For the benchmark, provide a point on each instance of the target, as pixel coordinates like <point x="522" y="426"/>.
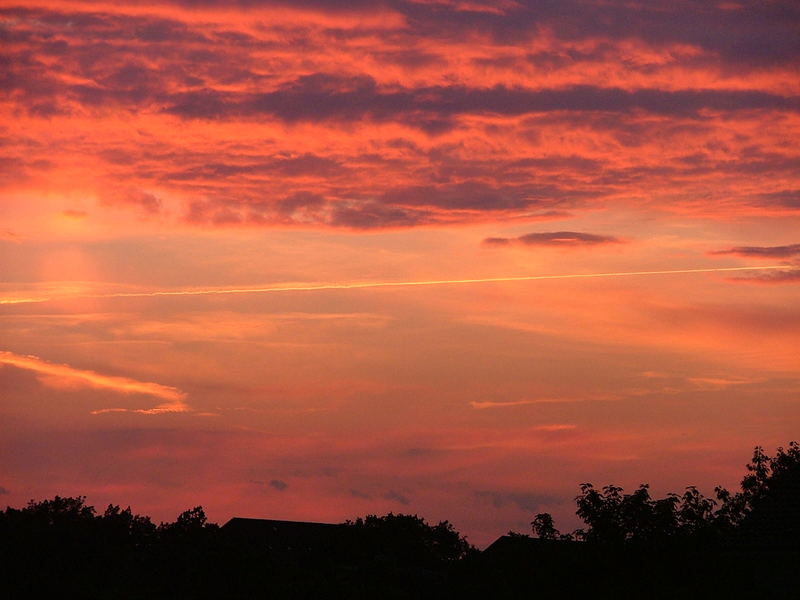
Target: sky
<point x="198" y="198"/>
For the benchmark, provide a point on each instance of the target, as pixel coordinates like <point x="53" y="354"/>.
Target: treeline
<point x="615" y="518"/>
<point x="735" y="543"/>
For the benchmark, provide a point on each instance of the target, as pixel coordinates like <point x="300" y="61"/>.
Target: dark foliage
<point x="734" y="544"/>
<point x="409" y="539"/>
<point x="690" y="542"/>
<point x="615" y="518"/>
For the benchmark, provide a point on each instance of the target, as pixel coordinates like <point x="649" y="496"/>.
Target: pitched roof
<point x="523" y="547"/>
<point x="285" y="535"/>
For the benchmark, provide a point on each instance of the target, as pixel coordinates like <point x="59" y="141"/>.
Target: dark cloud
<point x="306" y="165"/>
<point x="278" y="484"/>
<point x="748" y="34"/>
<point x="4" y="491"/>
<point x="328" y="6"/>
<point x="396" y="497"/>
<point x="753" y="34"/>
<point x="467" y="195"/>
<point x="555" y="163"/>
<point x="410" y="57"/>
<point x="375" y="215"/>
<point x="763" y="251"/>
<point x="529" y="502"/>
<point x="784" y="199"/>
<point x="497" y="241"/>
<point x="565" y="238"/>
<point x="424" y="452"/>
<point x="85" y="62"/>
<point x="93" y="26"/>
<point x="555" y="238"/>
<point x="360" y="494"/>
<point x="300" y="207"/>
<point x="129" y="76"/>
<point x="118" y="156"/>
<point x="790" y="275"/>
<point x="322" y="97"/>
<point x="300" y="201"/>
<point x="146" y="202"/>
<point x="14" y="168"/>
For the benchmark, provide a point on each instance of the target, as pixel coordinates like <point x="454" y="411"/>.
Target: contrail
<point x="374" y="284"/>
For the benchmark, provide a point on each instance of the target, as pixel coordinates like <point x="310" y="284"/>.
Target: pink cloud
<point x="59" y="376"/>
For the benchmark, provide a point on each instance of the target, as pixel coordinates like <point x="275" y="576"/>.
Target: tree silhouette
<point x="615" y="518"/>
<point x="190" y="523"/>
<point x="410" y="538"/>
<point x="544" y="528"/>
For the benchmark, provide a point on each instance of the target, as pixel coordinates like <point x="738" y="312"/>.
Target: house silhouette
<point x="286" y="536"/>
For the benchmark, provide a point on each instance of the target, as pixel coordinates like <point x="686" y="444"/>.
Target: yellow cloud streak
<point x="483" y="405"/>
<point x="122" y="385"/>
<point x="375" y="284"/>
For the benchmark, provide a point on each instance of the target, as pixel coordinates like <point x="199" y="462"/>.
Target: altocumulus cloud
<point x="429" y="88"/>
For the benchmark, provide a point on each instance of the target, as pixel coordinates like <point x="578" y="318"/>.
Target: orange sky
<point x="207" y="146"/>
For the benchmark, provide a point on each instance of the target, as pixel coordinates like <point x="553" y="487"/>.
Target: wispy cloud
<point x="790" y="272"/>
<point x="483" y="405"/>
<point x="526" y="501"/>
<point x="762" y="251"/>
<point x="562" y="239"/>
<point x="278" y="484"/>
<point x="397" y="497"/>
<point x="59" y="375"/>
<point x="556" y="427"/>
<point x="787" y="276"/>
<point x="723" y="382"/>
<point x="167" y="407"/>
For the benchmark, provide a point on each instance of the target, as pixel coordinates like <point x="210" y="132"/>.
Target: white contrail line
<point x="376" y="284"/>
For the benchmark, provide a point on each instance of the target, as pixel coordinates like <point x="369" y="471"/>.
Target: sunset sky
<point x="157" y="156"/>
